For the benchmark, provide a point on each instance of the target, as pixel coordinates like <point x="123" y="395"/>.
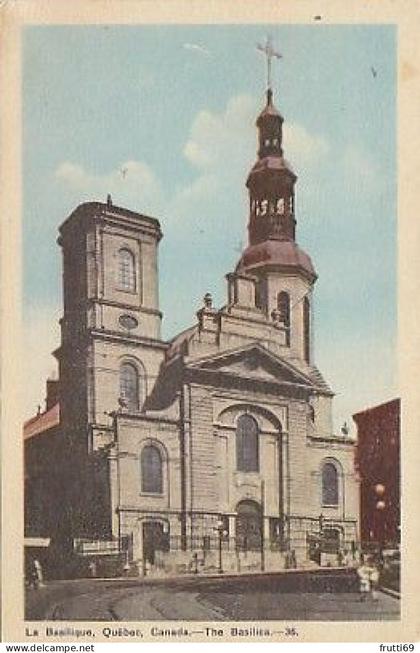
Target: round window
<point x="128" y="321"/>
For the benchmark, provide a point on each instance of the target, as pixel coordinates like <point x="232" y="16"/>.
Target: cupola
<point x="271" y="182"/>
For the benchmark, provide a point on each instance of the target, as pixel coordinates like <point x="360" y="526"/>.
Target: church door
<point x="154" y="539"/>
<point x="248" y="525"/>
<point x="331" y="540"/>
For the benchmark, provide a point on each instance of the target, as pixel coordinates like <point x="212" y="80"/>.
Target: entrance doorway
<point x="331" y="538"/>
<point x="154" y="539"/>
<point x="248" y="525"/>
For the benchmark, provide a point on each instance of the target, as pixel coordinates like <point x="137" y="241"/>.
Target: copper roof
<point x="271" y="163"/>
<point x="269" y="109"/>
<point x="42" y="422"/>
<point x="281" y="253"/>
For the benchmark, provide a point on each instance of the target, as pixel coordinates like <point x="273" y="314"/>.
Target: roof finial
<point x="269" y="52"/>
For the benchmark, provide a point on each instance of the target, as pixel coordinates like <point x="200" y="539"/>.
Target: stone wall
<point x="201" y="461"/>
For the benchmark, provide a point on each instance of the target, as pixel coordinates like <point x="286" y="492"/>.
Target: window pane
<point x="126" y="270"/>
<point x="247" y="444"/>
<point x="151" y="470"/>
<point x="329" y="485"/>
<point x="283" y="305"/>
<point x="129" y="386"/>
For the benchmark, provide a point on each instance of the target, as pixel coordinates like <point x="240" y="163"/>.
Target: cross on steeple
<point x="269" y="52"/>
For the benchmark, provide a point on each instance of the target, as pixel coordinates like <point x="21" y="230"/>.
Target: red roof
<point x="269" y="109"/>
<point x="42" y="422"/>
<point x="270" y="163"/>
<point x="282" y="253"/>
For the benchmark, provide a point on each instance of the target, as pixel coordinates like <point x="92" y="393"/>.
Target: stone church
<point x="215" y="449"/>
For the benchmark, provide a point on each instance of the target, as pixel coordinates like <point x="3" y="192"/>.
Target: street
<point x="200" y="599"/>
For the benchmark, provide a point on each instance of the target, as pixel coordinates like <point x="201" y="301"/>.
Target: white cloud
<point x="217" y="139"/>
<point x="302" y="147"/>
<point x="132" y="183"/>
<point x="203" y="186"/>
<point x="222" y="146"/>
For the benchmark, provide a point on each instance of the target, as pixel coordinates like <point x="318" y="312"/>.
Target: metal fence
<point x="84" y="546"/>
<point x="214" y="543"/>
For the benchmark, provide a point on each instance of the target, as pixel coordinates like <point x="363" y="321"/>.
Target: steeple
<point x="270" y="123"/>
<point x="282" y="273"/>
<point x="271" y="182"/>
<point x="272" y="246"/>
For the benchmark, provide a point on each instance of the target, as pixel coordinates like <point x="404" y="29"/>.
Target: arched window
<point x="280" y="206"/>
<point x="329" y="484"/>
<point x="126" y="270"/>
<point x="307" y="329"/>
<point x="283" y="305"/>
<point x="247" y="444"/>
<point x="260" y="294"/>
<point x="151" y="470"/>
<point x="291" y="204"/>
<point x="129" y="386"/>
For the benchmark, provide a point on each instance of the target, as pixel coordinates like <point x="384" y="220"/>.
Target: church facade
<point x="217" y="447"/>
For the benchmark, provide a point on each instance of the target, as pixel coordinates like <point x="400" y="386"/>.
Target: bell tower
<point x="284" y="272"/>
<point x="271" y="182"/>
<point x="111" y="347"/>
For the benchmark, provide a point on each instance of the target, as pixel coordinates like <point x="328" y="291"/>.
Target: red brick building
<point x="378" y="463"/>
<point x="42" y="447"/>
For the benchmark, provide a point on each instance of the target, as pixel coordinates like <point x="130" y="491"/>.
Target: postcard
<point x="209" y="296"/>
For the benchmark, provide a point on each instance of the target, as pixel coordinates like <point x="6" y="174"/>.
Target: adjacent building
<point x="378" y="462"/>
<point x="42" y="480"/>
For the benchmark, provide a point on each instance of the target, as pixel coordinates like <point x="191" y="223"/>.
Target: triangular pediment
<point x="254" y="363"/>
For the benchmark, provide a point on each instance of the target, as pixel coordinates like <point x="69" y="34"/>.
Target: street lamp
<point x="113" y="414"/>
<point x="321" y="547"/>
<point x="380" y="489"/>
<point x="222" y="532"/>
<point x="380" y="519"/>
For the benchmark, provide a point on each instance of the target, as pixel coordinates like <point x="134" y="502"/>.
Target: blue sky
<point x="181" y="118"/>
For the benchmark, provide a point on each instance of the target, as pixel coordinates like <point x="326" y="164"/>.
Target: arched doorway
<point x="248" y="525"/>
<point x="155" y="538"/>
<point x="331" y="539"/>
